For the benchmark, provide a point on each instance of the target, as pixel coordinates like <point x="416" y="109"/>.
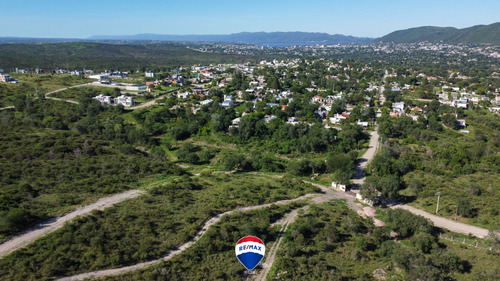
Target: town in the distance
<point x="149" y="160"/>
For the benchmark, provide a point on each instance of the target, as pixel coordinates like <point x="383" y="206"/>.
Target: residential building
<point x="398" y="107"/>
<point x="184" y="95"/>
<point x="5" y="77"/>
<point x="104" y="99"/>
<point x="228" y="104"/>
<point x="124" y="100"/>
<point x="206" y="102"/>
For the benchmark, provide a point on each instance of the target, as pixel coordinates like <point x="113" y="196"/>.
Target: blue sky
<point x="365" y="18"/>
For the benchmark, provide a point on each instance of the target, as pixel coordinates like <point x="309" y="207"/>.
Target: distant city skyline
<point x="361" y="18"/>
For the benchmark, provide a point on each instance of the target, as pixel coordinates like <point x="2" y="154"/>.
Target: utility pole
<point x="437" y="205"/>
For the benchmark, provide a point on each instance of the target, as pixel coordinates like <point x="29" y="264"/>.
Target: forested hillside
<point x="78" y="55"/>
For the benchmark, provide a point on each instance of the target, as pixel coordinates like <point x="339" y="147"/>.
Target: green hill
<point x="479" y="34"/>
<point x="105" y="56"/>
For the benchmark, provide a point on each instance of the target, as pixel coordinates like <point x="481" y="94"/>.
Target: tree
<point x="340" y="162"/>
<point x="232" y="161"/>
<point x="450" y="121"/>
<point x="187" y="154"/>
<point x="338" y="106"/>
<point x="465" y="208"/>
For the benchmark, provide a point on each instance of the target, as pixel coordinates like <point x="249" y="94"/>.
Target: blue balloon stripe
<point x="250" y="260"/>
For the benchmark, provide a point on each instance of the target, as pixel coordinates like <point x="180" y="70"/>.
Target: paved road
<point x="46" y="227"/>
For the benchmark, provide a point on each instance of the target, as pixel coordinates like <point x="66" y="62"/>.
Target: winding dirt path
<point x="44" y="228"/>
<point x="168" y="256"/>
<point x="271" y="254"/>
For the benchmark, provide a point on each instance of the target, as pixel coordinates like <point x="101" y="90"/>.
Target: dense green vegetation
<point x="331" y="242"/>
<point x="483" y="262"/>
<point x="212" y="257"/>
<point x="423" y="157"/>
<point x="145" y="228"/>
<point x="57" y="157"/>
<point x="99" y="56"/>
<point x="472" y="35"/>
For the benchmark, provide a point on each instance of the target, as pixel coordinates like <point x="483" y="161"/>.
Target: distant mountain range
<point x="256" y="38"/>
<point x="479" y="34"/>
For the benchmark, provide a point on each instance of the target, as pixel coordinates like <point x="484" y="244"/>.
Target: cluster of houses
<point x="123" y="100"/>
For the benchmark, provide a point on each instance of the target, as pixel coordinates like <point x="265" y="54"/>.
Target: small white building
<point x="364" y="200"/>
<point x="339" y="187"/>
<point x="149" y="74"/>
<point x="124" y="100"/>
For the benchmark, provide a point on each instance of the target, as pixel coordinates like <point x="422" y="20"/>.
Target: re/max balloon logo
<point x="250" y="250"/>
<point x="250" y="247"/>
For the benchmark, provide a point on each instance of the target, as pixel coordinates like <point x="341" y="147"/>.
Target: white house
<point x="135" y="87"/>
<point x="398" y="107"/>
<point x="236" y="121"/>
<point x="461" y="103"/>
<point x="228" y="102"/>
<point x="99" y="76"/>
<point x="337" y="118"/>
<point x="104" y="99"/>
<point x="293" y="120"/>
<point x="149" y="74"/>
<point x="205" y="102"/>
<point x="184" y="95"/>
<point x="362" y="124"/>
<point x="124" y="100"/>
<point x="317" y="98"/>
<point x="5" y="77"/>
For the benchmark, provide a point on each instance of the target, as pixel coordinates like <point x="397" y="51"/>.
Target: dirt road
<point x="326" y="195"/>
<point x="271" y="254"/>
<point x="46" y="227"/>
<point x="360" y="176"/>
<point x="447" y="223"/>
<point x="168" y="256"/>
